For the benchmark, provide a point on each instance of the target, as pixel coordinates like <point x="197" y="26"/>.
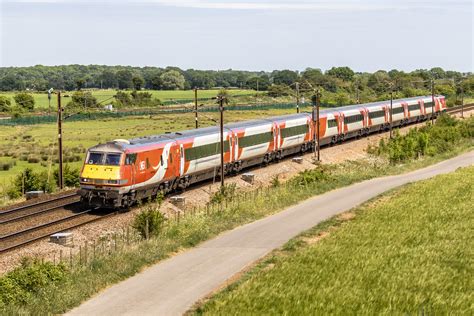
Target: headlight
<point x="85" y="180"/>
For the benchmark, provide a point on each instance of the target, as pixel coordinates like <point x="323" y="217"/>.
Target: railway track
<point x="459" y="108"/>
<point x="33" y="233"/>
<point x="25" y="224"/>
<point x="40" y="207"/>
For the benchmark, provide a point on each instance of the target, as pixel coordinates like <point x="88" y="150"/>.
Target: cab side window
<point x="130" y="159"/>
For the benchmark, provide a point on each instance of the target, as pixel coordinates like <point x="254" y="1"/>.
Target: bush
<point x="5" y="166"/>
<point x="307" y="177"/>
<point x="149" y="222"/>
<point x="70" y="176"/>
<point x="277" y="90"/>
<point x="30" y="181"/>
<point x="5" y="104"/>
<point x="33" y="159"/>
<point x="83" y="99"/>
<point x="225" y="192"/>
<point x="26" y="280"/>
<point x="123" y="98"/>
<point x="441" y="137"/>
<point x="25" y="101"/>
<point x="275" y="182"/>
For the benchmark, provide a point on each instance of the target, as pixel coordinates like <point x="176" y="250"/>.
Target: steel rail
<point x="19" y="208"/>
<point x="21" y="217"/>
<point x="42" y="226"/>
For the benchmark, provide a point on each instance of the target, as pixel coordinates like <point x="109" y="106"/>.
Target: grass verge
<point x="406" y="252"/>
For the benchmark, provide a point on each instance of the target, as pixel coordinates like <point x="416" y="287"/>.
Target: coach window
<point x="95" y="158"/>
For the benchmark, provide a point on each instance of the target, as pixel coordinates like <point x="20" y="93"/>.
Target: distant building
<point x="109" y="107"/>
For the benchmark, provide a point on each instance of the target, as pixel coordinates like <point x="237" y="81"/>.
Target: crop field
<point x="407" y="252"/>
<point x="38" y="143"/>
<point x="41" y="99"/>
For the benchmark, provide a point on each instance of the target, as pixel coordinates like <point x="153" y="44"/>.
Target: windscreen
<point x="112" y="159"/>
<point x="95" y="158"/>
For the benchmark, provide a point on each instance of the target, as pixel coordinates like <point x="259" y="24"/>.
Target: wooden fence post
<point x="146" y="229"/>
<point x="85" y="252"/>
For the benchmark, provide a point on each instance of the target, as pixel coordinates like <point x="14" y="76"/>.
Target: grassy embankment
<point x="119" y="258"/>
<point x="407" y="252"/>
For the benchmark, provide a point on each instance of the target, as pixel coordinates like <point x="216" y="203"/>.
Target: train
<point x="121" y="172"/>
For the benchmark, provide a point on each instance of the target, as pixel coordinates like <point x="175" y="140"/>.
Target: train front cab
<point x="103" y="181"/>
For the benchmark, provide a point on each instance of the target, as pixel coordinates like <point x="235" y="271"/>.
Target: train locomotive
<point x="119" y="173"/>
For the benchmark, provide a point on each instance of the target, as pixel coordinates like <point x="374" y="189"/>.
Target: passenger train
<point x="121" y="172"/>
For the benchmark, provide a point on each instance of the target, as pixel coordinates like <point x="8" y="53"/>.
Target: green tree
<point x="70" y="176"/>
<point x="285" y="77"/>
<point x="80" y="84"/>
<point x="138" y="82"/>
<point x="260" y="82"/>
<point x="277" y="90"/>
<point x="172" y="80"/>
<point x="124" y="79"/>
<point x="344" y="73"/>
<point x="123" y="98"/>
<point x="24" y="101"/>
<point x="29" y="180"/>
<point x="438" y="73"/>
<point x="108" y="79"/>
<point x="83" y="99"/>
<point x="5" y="103"/>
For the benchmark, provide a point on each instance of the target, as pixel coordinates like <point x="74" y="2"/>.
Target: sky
<point x="366" y="35"/>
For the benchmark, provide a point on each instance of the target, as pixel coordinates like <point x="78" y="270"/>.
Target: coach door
<point x="235" y="147"/>
<point x="340" y="123"/>
<point x="181" y="160"/>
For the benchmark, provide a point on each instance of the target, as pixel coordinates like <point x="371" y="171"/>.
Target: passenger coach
<point x="121" y="172"/>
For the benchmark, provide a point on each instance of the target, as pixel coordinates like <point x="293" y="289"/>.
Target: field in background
<point x="18" y="143"/>
<point x="405" y="253"/>
<point x="107" y="95"/>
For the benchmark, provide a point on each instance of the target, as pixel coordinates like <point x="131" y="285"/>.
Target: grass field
<point x="41" y="99"/>
<point x="407" y="252"/>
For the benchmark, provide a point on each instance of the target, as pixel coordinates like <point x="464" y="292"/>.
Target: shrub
<point x="310" y="176"/>
<point x="149" y="222"/>
<point x="24" y="101"/>
<point x="33" y="159"/>
<point x="5" y="166"/>
<point x="5" y="103"/>
<point x="30" y="181"/>
<point x="83" y="99"/>
<point x="277" y="90"/>
<point x="123" y="98"/>
<point x="225" y="192"/>
<point x="70" y="176"/>
<point x="275" y="182"/>
<point x="441" y="137"/>
<point x="29" y="278"/>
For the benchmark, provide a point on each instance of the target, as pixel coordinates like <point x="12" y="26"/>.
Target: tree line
<point x="339" y="85"/>
<point x="76" y="77"/>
